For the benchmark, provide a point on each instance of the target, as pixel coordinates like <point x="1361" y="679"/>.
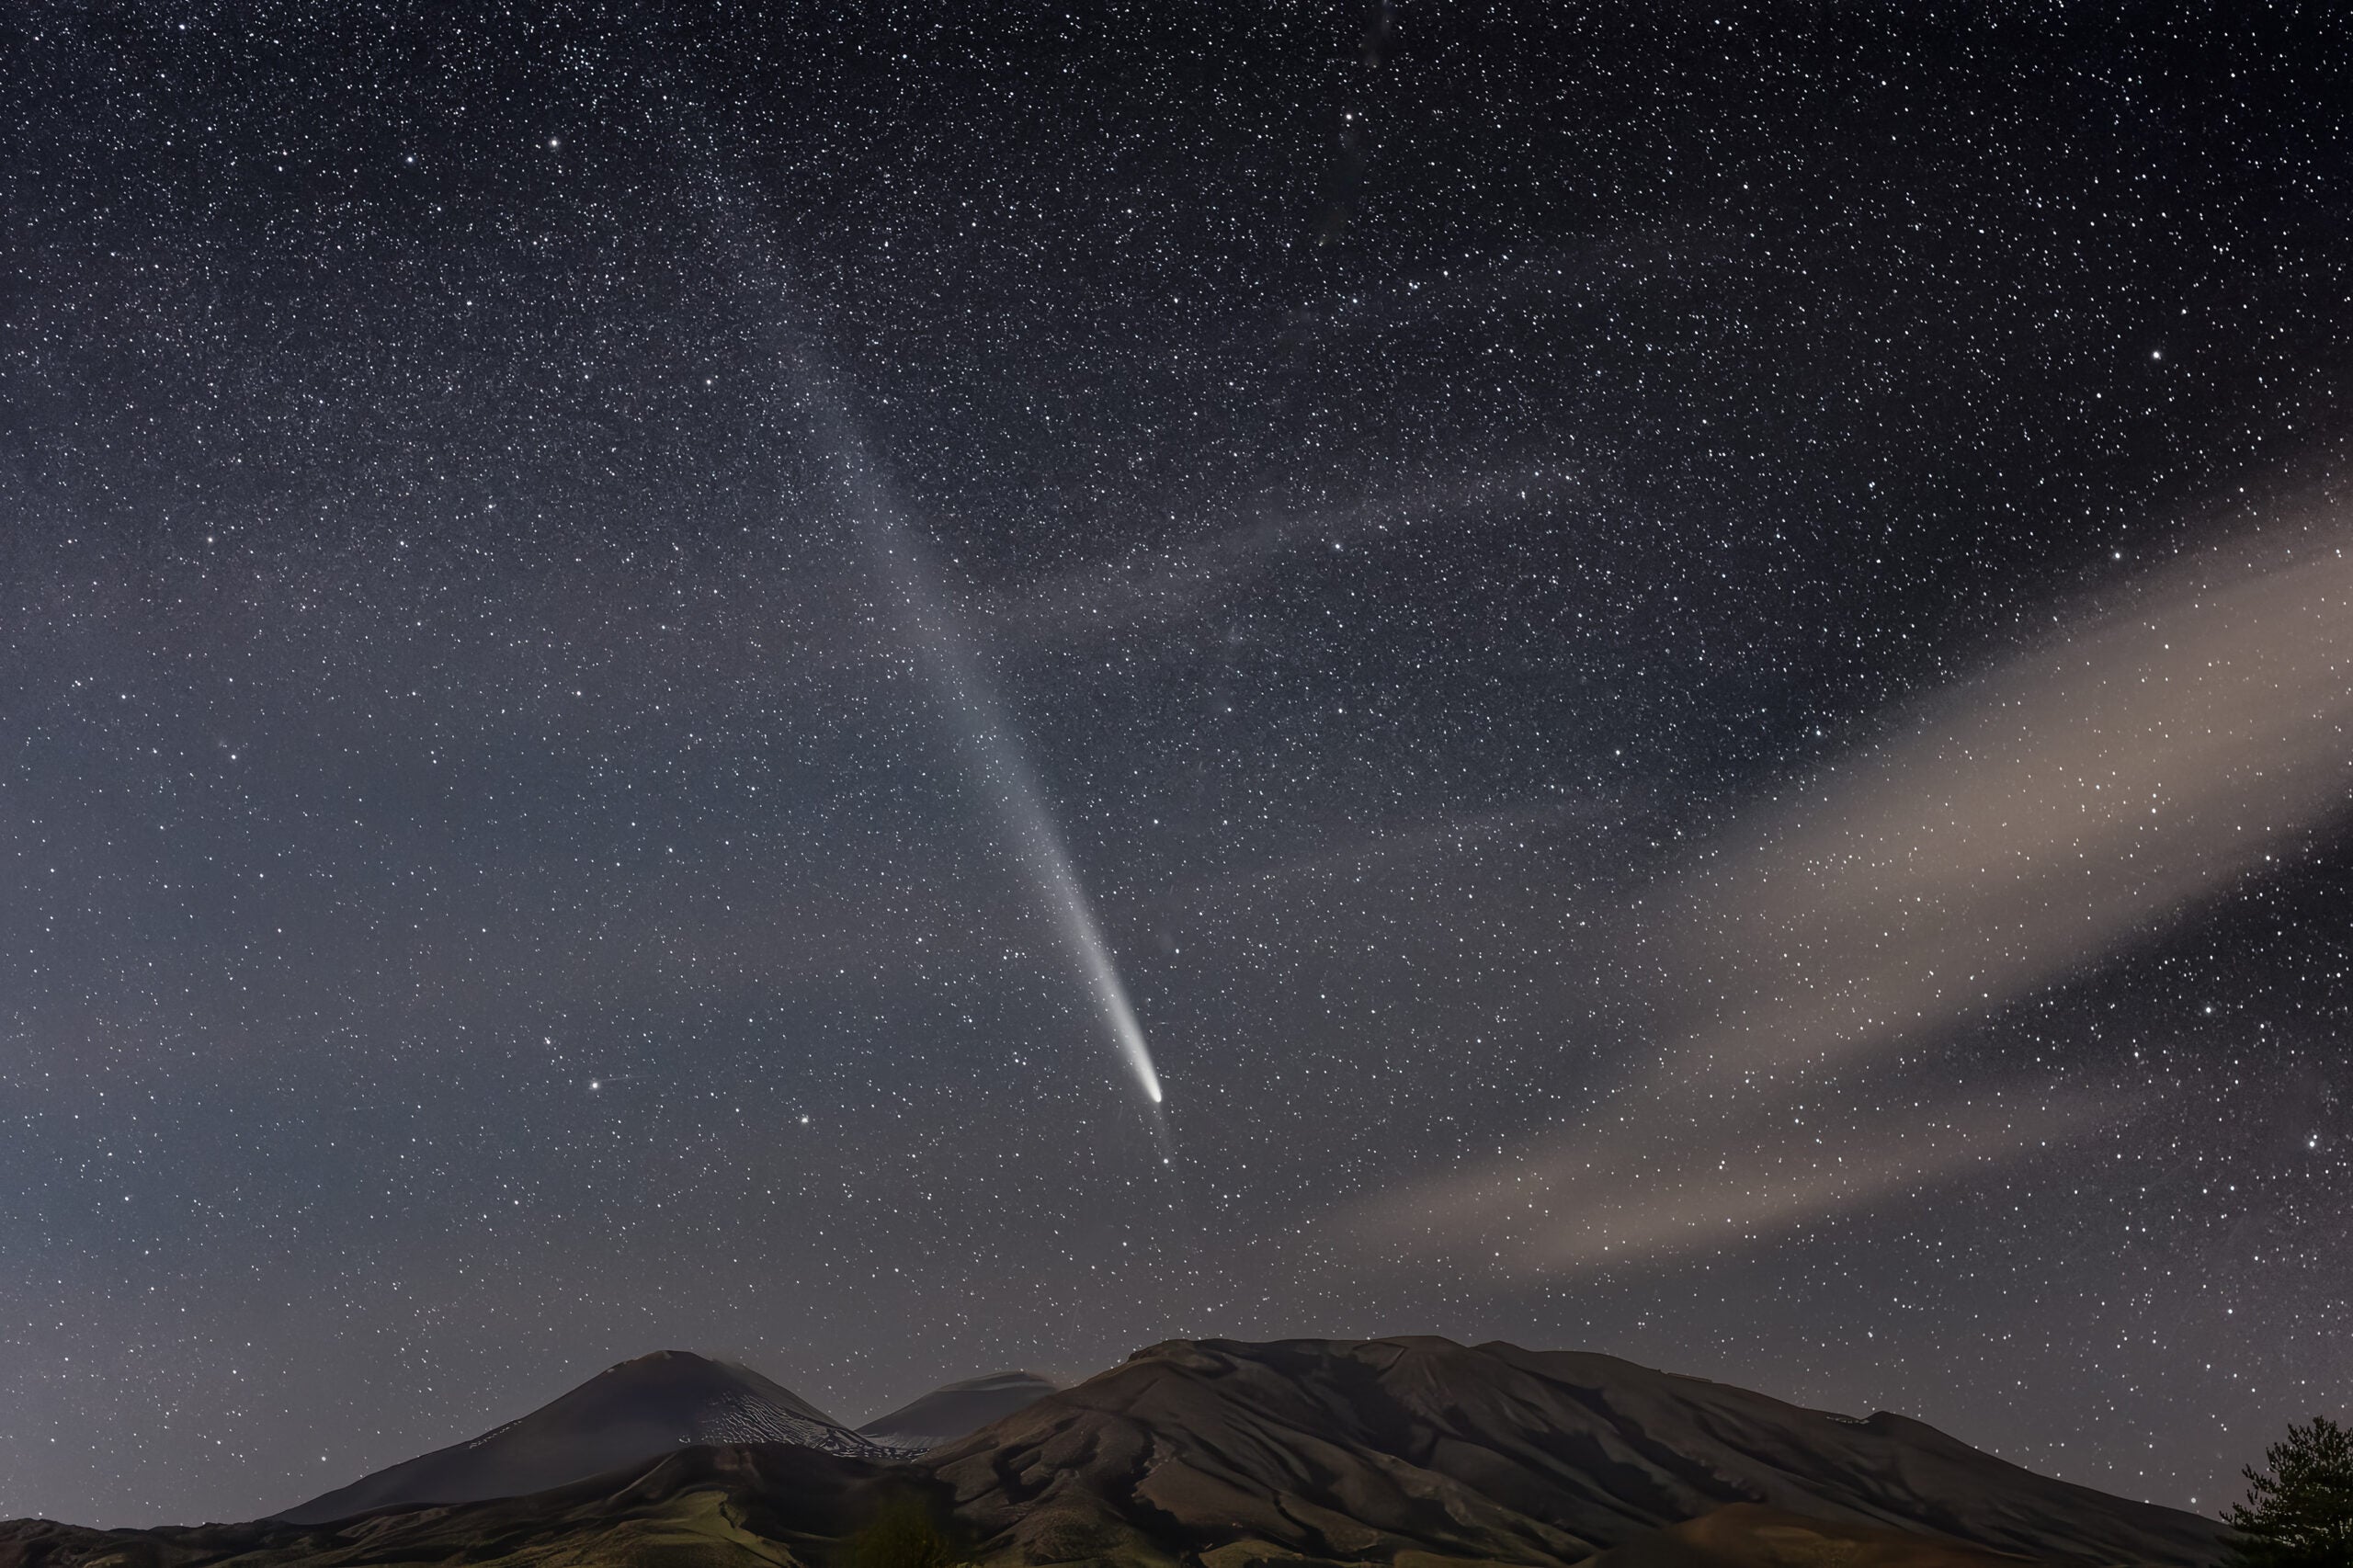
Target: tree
<point x="2299" y="1510"/>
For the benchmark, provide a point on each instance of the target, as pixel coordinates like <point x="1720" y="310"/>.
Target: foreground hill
<point x="1743" y="1535"/>
<point x="1416" y="1452"/>
<point x="773" y="1506"/>
<point x="748" y="1505"/>
<point x="621" y="1416"/>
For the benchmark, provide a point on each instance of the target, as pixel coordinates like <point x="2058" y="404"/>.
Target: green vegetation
<point x="902" y="1535"/>
<point x="2299" y="1510"/>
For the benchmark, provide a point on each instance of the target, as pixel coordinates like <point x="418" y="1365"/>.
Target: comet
<point x="946" y="654"/>
<point x="1007" y="777"/>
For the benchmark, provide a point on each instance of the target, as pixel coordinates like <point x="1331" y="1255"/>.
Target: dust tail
<point x="1001" y="769"/>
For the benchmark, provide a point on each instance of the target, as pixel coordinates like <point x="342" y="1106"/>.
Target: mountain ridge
<point x="1366" y="1450"/>
<point x="1412" y="1451"/>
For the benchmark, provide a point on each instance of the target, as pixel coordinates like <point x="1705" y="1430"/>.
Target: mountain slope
<point x="623" y="1416"/>
<point x="752" y="1505"/>
<point x="1364" y="1450"/>
<point x="1743" y="1535"/>
<point x="953" y="1409"/>
<point x="773" y="1506"/>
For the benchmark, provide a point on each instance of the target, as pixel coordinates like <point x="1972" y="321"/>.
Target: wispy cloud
<point x="2027" y="824"/>
<point x="2016" y="830"/>
<point x="1662" y="1178"/>
<point x="1163" y="587"/>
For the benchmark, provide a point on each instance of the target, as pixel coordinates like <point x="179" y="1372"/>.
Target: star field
<point x="1693" y="656"/>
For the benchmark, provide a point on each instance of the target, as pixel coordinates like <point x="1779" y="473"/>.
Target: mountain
<point x="1407" y="1452"/>
<point x="952" y="1410"/>
<point x="1376" y="1450"/>
<point x="623" y="1416"/>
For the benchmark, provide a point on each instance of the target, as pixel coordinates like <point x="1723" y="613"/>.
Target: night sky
<point x="1693" y="666"/>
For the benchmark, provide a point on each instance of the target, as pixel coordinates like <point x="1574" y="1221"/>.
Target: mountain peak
<point x="952" y="1410"/>
<point x="667" y="1400"/>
